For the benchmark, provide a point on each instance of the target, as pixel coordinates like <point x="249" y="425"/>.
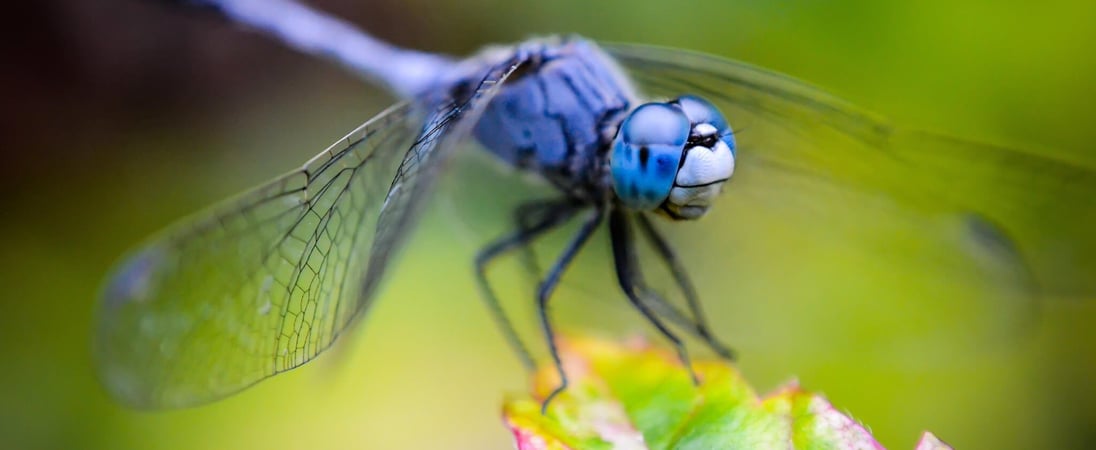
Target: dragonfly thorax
<point x="672" y="157"/>
<point x="557" y="116"/>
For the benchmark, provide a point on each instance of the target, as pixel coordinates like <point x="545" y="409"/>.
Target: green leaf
<point x="636" y="396"/>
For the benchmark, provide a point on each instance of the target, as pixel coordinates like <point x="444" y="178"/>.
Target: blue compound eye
<point x="646" y="154"/>
<point x="699" y="110"/>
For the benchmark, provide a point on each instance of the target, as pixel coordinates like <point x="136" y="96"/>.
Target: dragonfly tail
<point x="406" y="73"/>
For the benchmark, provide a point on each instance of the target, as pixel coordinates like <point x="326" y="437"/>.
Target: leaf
<point x="636" y="396"/>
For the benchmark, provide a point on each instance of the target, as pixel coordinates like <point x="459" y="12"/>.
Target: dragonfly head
<point x="672" y="157"/>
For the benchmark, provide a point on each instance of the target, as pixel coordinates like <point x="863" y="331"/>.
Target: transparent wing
<point x="265" y="282"/>
<point x="814" y="170"/>
<point x="872" y="239"/>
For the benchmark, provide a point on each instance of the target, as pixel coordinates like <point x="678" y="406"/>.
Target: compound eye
<point x="699" y="111"/>
<point x="708" y="160"/>
<point x="646" y="153"/>
<point x="704" y="115"/>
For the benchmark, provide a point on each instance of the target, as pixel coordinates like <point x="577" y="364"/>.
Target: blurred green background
<point x="122" y="115"/>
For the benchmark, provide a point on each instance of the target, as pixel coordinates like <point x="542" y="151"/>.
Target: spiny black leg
<point x="666" y="309"/>
<point x="674" y="315"/>
<point x="589" y="225"/>
<point x="525" y="216"/>
<point x="552" y="217"/>
<point x="620" y="230"/>
<point x="664" y="250"/>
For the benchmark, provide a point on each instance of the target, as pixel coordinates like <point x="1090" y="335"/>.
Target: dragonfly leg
<point x="589" y="225"/>
<point x="666" y="252"/>
<point x="674" y="315"/>
<point x="631" y="280"/>
<point x="526" y="216"/>
<point x="551" y="215"/>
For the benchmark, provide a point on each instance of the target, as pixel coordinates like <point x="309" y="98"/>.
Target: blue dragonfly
<point x="626" y="135"/>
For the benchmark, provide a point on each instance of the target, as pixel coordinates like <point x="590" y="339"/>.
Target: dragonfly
<point x="628" y="137"/>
